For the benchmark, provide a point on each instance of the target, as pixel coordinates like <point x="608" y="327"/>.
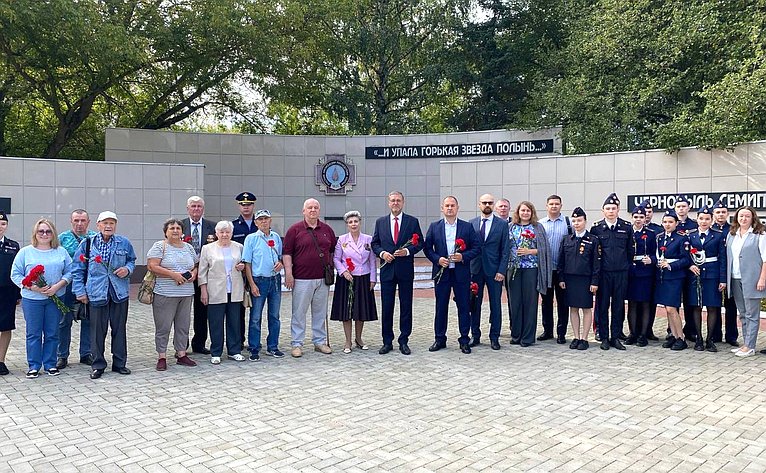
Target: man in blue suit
<point x="489" y="270"/>
<point x="451" y="271"/>
<point x="392" y="242"/>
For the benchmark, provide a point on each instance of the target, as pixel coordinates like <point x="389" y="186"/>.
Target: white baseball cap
<point x="105" y="215"/>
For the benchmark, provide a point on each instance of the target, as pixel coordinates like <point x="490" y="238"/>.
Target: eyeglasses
<point x="487" y="203"/>
<point x="45" y="232"/>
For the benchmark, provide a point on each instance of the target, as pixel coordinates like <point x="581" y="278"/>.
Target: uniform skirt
<point x="8" y="297"/>
<point x="364" y="308"/>
<point x="578" y="291"/>
<point x="640" y="288"/>
<point x="711" y="296"/>
<point x="668" y="292"/>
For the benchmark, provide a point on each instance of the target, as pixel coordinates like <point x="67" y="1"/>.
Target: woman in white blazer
<point x="222" y="289"/>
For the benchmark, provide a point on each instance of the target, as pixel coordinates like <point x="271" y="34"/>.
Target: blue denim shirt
<point x="100" y="278"/>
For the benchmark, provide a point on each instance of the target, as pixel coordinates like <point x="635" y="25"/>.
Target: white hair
<point x="224" y="225"/>
<point x="193" y="199"/>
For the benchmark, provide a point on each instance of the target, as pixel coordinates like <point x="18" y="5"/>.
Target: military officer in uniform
<point x="579" y="264"/>
<point x="707" y="276"/>
<point x="10" y="293"/>
<point x="641" y="279"/>
<point x="672" y="262"/>
<point x="243" y="226"/>
<point x="685" y="227"/>
<point x="721" y="224"/>
<point x="615" y="235"/>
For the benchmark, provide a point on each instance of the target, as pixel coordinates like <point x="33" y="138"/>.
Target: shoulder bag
<point x="329" y="274"/>
<point x="82" y="311"/>
<point x="146" y="290"/>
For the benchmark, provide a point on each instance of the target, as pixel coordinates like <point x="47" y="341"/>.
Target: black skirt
<point x="8" y="297"/>
<point x="364" y="308"/>
<point x="578" y="291"/>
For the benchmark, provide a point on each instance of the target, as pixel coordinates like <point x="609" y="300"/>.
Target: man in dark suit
<point x="201" y="231"/>
<point x="392" y="242"/>
<point x="451" y="271"/>
<point x="489" y="270"/>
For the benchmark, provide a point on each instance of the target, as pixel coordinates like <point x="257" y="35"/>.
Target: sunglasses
<point x="487" y="203"/>
<point x="45" y="232"/>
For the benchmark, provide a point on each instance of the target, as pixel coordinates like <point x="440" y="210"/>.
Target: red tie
<point x="396" y="229"/>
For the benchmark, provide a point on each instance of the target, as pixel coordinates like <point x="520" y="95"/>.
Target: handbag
<point x="146" y="290"/>
<point x="329" y="273"/>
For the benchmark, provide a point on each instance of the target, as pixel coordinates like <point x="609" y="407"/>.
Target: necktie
<point x="396" y="229"/>
<point x="483" y="228"/>
<point x="702" y="237"/>
<point x="611" y="228"/>
<point x="195" y="237"/>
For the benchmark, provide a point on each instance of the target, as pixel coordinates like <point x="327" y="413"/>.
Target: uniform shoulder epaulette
<point x="596" y="224"/>
<point x="716" y="230"/>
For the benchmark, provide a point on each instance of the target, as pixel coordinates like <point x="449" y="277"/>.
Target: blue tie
<point x="483" y="228"/>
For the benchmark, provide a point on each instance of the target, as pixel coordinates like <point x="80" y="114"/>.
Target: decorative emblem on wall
<point x="335" y="174"/>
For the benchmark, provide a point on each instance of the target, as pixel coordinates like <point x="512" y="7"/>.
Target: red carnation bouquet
<point x="273" y="245"/>
<point x="474" y="295"/>
<point x="459" y="246"/>
<point x="36" y="277"/>
<point x="411" y="242"/>
<point x="99" y="260"/>
<point x="351" y="267"/>
<point x="527" y="237"/>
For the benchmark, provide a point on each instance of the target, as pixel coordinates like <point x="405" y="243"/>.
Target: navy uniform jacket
<point x="436" y="247"/>
<point x="382" y="240"/>
<point x="8" y="250"/>
<point x="644" y="246"/>
<point x="676" y="248"/>
<point x="656" y="228"/>
<point x="616" y="245"/>
<point x="721" y="228"/>
<point x="714" y="247"/>
<point x="241" y="230"/>
<point x="580" y="257"/>
<point x="687" y="226"/>
<point x="496" y="250"/>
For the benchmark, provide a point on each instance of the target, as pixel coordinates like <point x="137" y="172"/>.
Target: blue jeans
<point x="218" y="316"/>
<point x="271" y="290"/>
<point x="65" y="328"/>
<point x="42" y="318"/>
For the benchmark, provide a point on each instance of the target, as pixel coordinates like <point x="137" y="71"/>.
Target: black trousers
<point x="387" y="294"/>
<point x="113" y="315"/>
<point x="562" y="309"/>
<point x="524" y="308"/>
<point x="730" y="322"/>
<point x="612" y="288"/>
<point x="200" y="321"/>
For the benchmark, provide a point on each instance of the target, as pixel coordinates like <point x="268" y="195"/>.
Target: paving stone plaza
<point x="543" y="408"/>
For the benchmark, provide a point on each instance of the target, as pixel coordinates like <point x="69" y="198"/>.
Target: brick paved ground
<point x="542" y="408"/>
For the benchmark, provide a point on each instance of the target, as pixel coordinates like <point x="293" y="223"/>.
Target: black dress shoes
<point x="515" y="341"/>
<point x="669" y="341"/>
<point x="474" y="342"/>
<point x="598" y="337"/>
<point x="86" y="360"/>
<point x="622" y="337"/>
<point x="544" y="337"/>
<point x="61" y="363"/>
<point x="494" y="344"/>
<point x="710" y="346"/>
<point x="699" y="345"/>
<point x="652" y="337"/>
<point x="575" y="343"/>
<point x="122" y="370"/>
<point x="95" y="374"/>
<point x="525" y="344"/>
<point x="404" y="349"/>
<point x="763" y="352"/>
<point x="561" y="340"/>
<point x="604" y="345"/>
<point x="385" y="349"/>
<point x="680" y="344"/>
<point x="465" y="348"/>
<point x="642" y="341"/>
<point x="631" y="340"/>
<point x="616" y="343"/>
<point x="205" y="351"/>
<point x="583" y="345"/>
<point x="437" y="346"/>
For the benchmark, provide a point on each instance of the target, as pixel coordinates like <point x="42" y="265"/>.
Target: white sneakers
<point x="216" y="360"/>
<point x="743" y="354"/>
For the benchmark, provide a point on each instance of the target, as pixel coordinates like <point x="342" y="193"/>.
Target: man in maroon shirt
<point x="308" y="247"/>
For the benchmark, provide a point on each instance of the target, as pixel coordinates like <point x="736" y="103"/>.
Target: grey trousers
<point x="114" y="315"/>
<point x="175" y="312"/>
<point x="309" y="294"/>
<point x="749" y="313"/>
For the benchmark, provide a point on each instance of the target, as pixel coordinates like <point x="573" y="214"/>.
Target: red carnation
<point x="271" y="243"/>
<point x="415" y="238"/>
<point x="98" y="259"/>
<point x="460" y="244"/>
<point x="187" y="239"/>
<point x="643" y="237"/>
<point x="662" y="248"/>
<point x="350" y="265"/>
<point x="36" y="272"/>
<point x="26" y="282"/>
<point x="474" y="289"/>
<point x="693" y="251"/>
<point x="83" y="259"/>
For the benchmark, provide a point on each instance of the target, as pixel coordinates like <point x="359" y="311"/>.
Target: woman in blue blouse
<point x="529" y="273"/>
<point x="672" y="263"/>
<point x="40" y="311"/>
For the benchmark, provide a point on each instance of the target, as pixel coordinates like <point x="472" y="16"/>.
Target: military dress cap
<point x="646" y="204"/>
<point x="579" y="212"/>
<point x="245" y="198"/>
<point x="682" y="199"/>
<point x="262" y="213"/>
<point x="671" y="213"/>
<point x="719" y="205"/>
<point x="612" y="199"/>
<point x="706" y="209"/>
<point x="3" y="216"/>
<point x="639" y="209"/>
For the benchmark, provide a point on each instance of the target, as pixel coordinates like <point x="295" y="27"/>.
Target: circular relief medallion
<point x="335" y="174"/>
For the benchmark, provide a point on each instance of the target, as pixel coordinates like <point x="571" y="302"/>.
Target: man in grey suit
<point x="489" y="270"/>
<point x="199" y="231"/>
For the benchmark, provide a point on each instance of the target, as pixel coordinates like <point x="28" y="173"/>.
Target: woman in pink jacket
<point x="354" y="297"/>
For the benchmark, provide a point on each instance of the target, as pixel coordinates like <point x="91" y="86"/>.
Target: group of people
<point x="216" y="271"/>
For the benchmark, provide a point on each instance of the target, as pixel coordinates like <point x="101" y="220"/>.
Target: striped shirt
<point x="555" y="231"/>
<point x="175" y="259"/>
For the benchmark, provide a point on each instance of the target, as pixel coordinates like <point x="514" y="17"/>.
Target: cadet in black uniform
<point x="10" y="294"/>
<point x="641" y="279"/>
<point x="672" y="261"/>
<point x="707" y="276"/>
<point x="657" y="229"/>
<point x="721" y="223"/>
<point x="685" y="227"/>
<point x="243" y="226"/>
<point x="616" y="240"/>
<point x="579" y="264"/>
